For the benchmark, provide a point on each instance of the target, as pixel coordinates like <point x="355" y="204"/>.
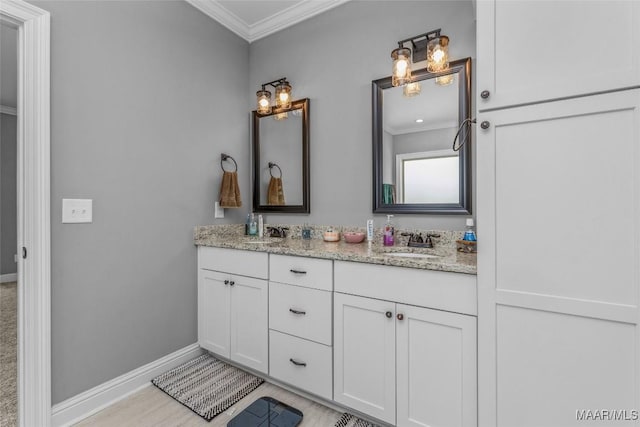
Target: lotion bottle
<point x="389" y="231"/>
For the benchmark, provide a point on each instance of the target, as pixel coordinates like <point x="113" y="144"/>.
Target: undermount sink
<point x="411" y="255"/>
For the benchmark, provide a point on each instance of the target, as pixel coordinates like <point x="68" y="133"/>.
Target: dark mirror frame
<point x="463" y="207"/>
<point x="301" y="104"/>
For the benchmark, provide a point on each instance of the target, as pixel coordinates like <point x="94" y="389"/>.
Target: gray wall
<point x="8" y="149"/>
<point x="144" y="98"/>
<point x="332" y="59"/>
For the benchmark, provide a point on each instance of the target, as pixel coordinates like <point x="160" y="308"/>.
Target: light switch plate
<point x="76" y="211"/>
<point x="218" y="211"/>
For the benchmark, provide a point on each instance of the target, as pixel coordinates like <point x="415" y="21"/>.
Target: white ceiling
<point x="436" y="105"/>
<point x="254" y="19"/>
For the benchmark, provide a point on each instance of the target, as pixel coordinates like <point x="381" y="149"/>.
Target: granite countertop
<point x="446" y="257"/>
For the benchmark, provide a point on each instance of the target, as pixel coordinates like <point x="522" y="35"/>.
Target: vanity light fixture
<point x="444" y="80"/>
<point x="412" y="89"/>
<point x="283" y="96"/>
<point x="432" y="47"/>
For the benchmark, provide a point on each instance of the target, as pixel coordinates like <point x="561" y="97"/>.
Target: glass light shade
<point x="438" y="54"/>
<point x="412" y="89"/>
<point x="401" y="73"/>
<point x="283" y="95"/>
<point x="264" y="101"/>
<point x="281" y="116"/>
<point x="445" y="80"/>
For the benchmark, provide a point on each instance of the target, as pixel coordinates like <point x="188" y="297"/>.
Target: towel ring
<point x="273" y="165"/>
<point x="224" y="157"/>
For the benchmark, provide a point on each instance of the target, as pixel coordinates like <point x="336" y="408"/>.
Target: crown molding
<point x="274" y="23"/>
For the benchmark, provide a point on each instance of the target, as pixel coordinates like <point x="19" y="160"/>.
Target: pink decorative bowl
<point x="353" y="237"/>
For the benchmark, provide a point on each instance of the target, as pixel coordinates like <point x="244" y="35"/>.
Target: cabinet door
<point x="531" y="50"/>
<point x="213" y="312"/>
<point x="558" y="261"/>
<point x="249" y="322"/>
<point x="364" y="355"/>
<point x="436" y="368"/>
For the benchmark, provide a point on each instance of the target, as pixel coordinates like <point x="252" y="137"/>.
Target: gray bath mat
<point x="207" y="385"/>
<point x="348" y="420"/>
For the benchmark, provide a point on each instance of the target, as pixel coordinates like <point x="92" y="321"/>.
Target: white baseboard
<point x="91" y="401"/>
<point x="6" y="278"/>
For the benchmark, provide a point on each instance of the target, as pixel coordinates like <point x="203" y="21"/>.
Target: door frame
<point x="34" y="219"/>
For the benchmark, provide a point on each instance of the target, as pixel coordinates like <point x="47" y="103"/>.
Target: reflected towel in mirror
<point x="275" y="193"/>
<point x="229" y="191"/>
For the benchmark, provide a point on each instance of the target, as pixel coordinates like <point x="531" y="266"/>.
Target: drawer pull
<point x="294" y="271"/>
<point x="297" y="311"/>
<point x="295" y="362"/>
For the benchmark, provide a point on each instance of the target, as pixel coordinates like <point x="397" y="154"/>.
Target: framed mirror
<point x="281" y="159"/>
<point x="415" y="169"/>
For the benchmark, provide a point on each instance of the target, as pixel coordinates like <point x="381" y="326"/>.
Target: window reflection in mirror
<point x="416" y="169"/>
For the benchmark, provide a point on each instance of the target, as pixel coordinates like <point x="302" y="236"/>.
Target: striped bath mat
<point x="207" y="385"/>
<point x="348" y="420"/>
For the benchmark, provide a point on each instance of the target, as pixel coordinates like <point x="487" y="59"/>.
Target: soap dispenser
<point x="389" y="231"/>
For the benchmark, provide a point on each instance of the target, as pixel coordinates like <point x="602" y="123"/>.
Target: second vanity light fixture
<point x="283" y="96"/>
<point x="432" y="47"/>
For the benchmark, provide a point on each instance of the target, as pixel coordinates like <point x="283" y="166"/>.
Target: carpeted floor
<point x="8" y="354"/>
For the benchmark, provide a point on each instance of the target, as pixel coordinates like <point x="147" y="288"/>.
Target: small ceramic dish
<point x="331" y="236"/>
<point x="353" y="237"/>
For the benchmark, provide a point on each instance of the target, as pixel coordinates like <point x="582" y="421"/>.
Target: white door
<point x="213" y="311"/>
<point x="531" y="50"/>
<point x="436" y="368"/>
<point x="559" y="260"/>
<point x="364" y="355"/>
<point x="249" y="322"/>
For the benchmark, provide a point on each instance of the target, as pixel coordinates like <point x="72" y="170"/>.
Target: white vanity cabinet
<point x="404" y="364"/>
<point x="530" y="51"/>
<point x="232" y="308"/>
<point x="300" y="323"/>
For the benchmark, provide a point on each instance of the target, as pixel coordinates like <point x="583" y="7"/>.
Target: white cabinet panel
<point x="550" y="365"/>
<point x="566" y="195"/>
<point x="301" y="363"/>
<point x="249" y="327"/>
<point x="213" y="312"/>
<point x="530" y="51"/>
<point x="300" y="311"/>
<point x="436" y="368"/>
<point x="364" y="355"/>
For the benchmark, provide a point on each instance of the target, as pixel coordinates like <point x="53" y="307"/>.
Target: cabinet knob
<point x="400" y="316"/>
<point x="389" y="314"/>
<point x="485" y="94"/>
<point x="232" y="283"/>
<point x="485" y="125"/>
<point x="226" y="282"/>
<point x="295" y="362"/>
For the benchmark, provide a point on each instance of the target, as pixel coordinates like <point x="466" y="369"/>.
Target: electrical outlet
<point x="218" y="211"/>
<point x="75" y="211"/>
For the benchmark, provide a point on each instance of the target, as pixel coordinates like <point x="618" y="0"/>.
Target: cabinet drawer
<point x="312" y="369"/>
<point x="243" y="263"/>
<point x="432" y="289"/>
<point x="302" y="312"/>
<point x="307" y="272"/>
